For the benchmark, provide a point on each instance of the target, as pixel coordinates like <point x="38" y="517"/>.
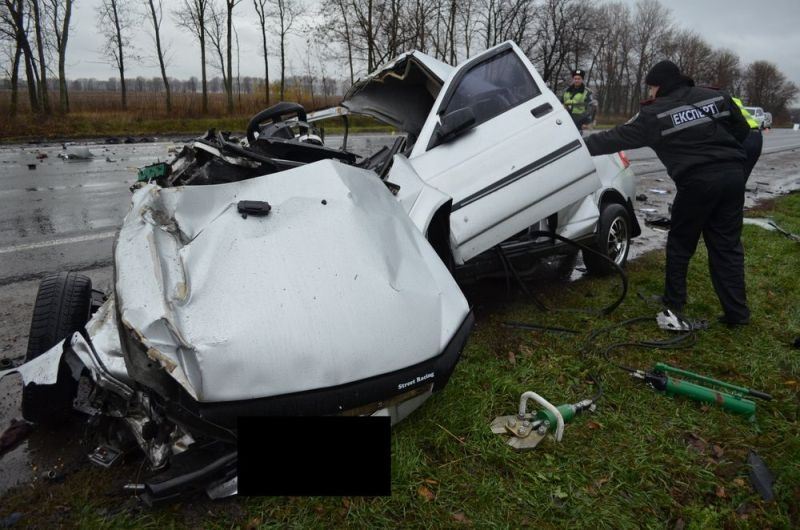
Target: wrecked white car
<point x="281" y="276"/>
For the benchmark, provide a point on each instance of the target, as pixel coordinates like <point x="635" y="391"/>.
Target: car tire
<point x="63" y="306"/>
<point x="613" y="240"/>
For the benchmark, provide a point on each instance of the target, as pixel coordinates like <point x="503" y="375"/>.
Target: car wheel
<point x="613" y="240"/>
<point x="63" y="306"/>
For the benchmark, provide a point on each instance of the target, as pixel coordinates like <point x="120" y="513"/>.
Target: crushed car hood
<point x="334" y="285"/>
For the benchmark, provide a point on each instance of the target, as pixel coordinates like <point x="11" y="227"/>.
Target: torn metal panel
<point x="235" y="308"/>
<point x="43" y="370"/>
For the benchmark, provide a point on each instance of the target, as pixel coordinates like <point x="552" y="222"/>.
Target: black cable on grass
<point x="679" y="341"/>
<point x="542" y="327"/>
<point x="541" y="305"/>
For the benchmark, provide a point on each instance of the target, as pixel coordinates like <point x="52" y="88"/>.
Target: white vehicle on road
<point x="278" y="276"/>
<point x="760" y="116"/>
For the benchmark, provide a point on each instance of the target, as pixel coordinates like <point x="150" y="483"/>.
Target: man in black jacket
<point x="697" y="134"/>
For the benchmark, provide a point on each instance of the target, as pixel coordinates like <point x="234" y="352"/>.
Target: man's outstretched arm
<point x="635" y="133"/>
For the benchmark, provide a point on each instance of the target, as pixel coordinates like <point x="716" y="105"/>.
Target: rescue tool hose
<point x="680" y="341"/>
<point x="541" y="305"/>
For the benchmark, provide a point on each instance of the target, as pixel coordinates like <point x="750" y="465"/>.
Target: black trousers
<point x="709" y="203"/>
<point x="752" y="148"/>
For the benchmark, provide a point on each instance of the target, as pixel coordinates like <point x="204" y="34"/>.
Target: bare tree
<point x="193" y="16"/>
<point x="38" y="17"/>
<point x="261" y="11"/>
<point x="766" y="86"/>
<point x="59" y="14"/>
<point x="285" y="12"/>
<point x="229" y="5"/>
<point x="15" y="24"/>
<point x="650" y="27"/>
<point x="215" y="30"/>
<point x="13" y="54"/>
<point x="337" y="30"/>
<point x="156" y="16"/>
<point x="114" y="19"/>
<point x="724" y="70"/>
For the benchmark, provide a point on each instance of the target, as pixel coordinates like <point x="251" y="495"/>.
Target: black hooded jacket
<point x="690" y="128"/>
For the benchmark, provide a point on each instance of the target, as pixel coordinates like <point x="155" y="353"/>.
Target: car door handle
<point x="541" y="110"/>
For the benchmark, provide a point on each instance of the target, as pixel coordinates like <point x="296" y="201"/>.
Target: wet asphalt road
<point x="63" y="214"/>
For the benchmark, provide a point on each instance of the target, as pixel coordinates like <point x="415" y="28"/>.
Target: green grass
<point x="642" y="460"/>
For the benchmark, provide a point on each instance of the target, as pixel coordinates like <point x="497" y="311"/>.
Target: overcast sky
<point x="765" y="29"/>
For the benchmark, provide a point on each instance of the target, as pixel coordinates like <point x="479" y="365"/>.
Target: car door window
<point x="493" y="86"/>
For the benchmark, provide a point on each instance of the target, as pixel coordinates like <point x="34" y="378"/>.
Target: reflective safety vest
<point x="576" y="101"/>
<point x="750" y="120"/>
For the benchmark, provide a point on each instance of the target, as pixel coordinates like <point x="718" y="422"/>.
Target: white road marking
<point x="55" y="242"/>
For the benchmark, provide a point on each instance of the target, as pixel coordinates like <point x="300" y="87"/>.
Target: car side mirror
<point x="454" y="123"/>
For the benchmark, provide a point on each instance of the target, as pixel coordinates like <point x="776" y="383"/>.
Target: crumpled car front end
<point x="326" y="299"/>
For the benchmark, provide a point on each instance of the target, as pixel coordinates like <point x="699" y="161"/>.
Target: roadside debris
<point x="641" y="197"/>
<point x="31" y="166"/>
<point x="761" y="477"/>
<point x="76" y="153"/>
<point x="658" y="221"/>
<point x="14" y="435"/>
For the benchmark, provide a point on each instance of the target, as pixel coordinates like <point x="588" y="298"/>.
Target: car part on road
<point x="676" y="382"/>
<point x="62" y="307"/>
<point x="659" y="222"/>
<point x="526" y="429"/>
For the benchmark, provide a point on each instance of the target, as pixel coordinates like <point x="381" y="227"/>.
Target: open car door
<point x="501" y="144"/>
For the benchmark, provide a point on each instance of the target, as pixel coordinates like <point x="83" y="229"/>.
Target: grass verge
<point x="124" y="124"/>
<point x="642" y="460"/>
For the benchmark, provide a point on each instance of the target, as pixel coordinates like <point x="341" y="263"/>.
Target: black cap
<point x="664" y="73"/>
<point x="578" y="72"/>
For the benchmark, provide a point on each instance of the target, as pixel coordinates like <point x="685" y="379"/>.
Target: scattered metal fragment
<point x="105" y="456"/>
<point x="76" y="153"/>
<point x="761" y="477"/>
<point x="658" y="221"/>
<point x="658" y="191"/>
<point x="14" y="435"/>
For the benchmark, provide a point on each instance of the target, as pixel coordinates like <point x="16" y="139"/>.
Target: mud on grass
<point x="642" y="460"/>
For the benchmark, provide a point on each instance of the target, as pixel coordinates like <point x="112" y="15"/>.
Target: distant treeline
<point x="614" y="42"/>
